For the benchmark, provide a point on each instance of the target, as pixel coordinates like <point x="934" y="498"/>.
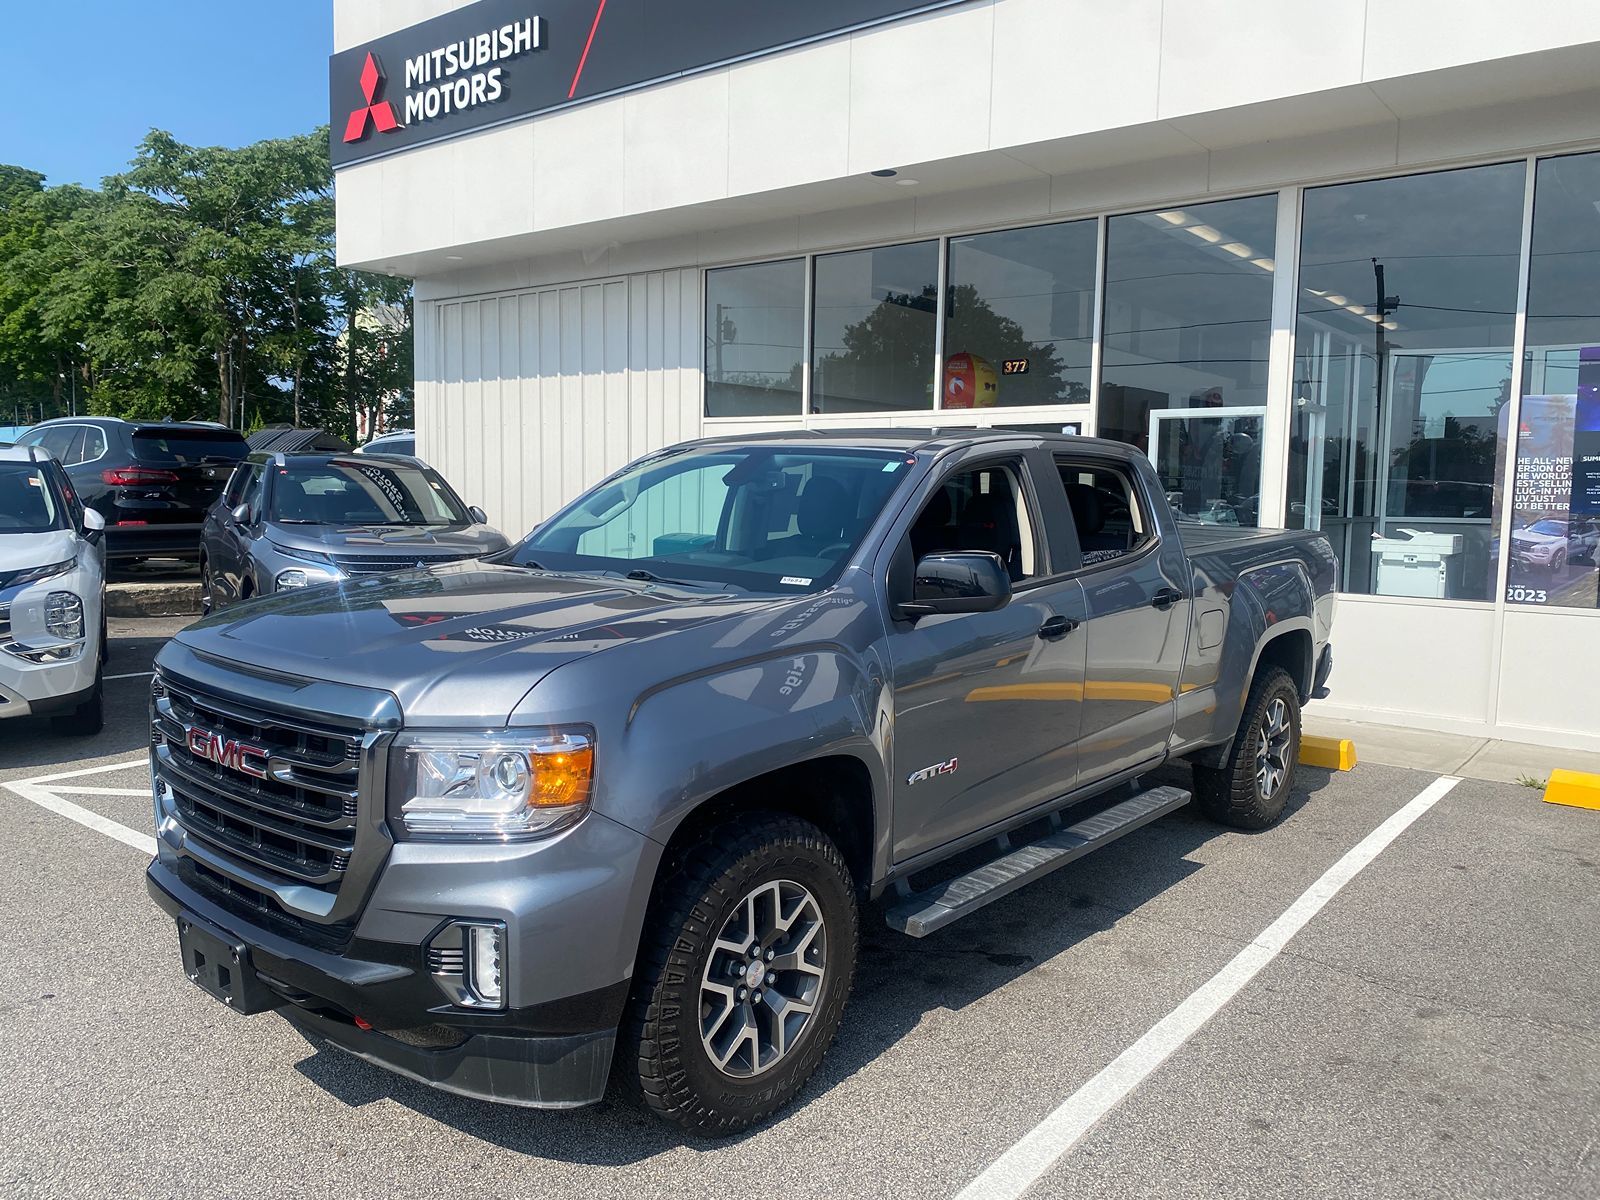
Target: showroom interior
<point x="1355" y="292"/>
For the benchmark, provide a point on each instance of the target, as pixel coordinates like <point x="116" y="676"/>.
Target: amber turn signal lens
<point x="561" y="777"/>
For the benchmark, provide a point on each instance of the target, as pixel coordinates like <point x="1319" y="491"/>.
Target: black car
<point x="152" y="481"/>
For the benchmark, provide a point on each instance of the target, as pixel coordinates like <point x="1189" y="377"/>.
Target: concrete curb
<point x="153" y="599"/>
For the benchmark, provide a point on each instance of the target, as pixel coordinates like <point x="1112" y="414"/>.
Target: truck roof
<point x="911" y="440"/>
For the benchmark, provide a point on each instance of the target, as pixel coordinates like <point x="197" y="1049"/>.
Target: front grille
<point x="5" y="621"/>
<point x="290" y="818"/>
<point x="353" y="564"/>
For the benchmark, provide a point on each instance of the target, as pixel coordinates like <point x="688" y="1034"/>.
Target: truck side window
<point x="1105" y="510"/>
<point x="979" y="509"/>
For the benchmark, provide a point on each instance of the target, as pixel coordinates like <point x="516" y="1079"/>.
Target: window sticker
<point x="795" y="581"/>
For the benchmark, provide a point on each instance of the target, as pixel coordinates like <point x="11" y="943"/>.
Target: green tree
<point x="199" y="283"/>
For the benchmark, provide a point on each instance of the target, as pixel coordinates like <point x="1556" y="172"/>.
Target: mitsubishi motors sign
<point x="503" y="60"/>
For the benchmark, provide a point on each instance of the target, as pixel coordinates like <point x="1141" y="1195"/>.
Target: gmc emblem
<point x="225" y="752"/>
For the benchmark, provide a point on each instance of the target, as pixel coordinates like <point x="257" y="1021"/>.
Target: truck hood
<point x="388" y="541"/>
<point x="458" y="645"/>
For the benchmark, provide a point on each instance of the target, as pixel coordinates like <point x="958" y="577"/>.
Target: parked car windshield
<point x="27" y="503"/>
<point x="363" y="492"/>
<point x="758" y="517"/>
<point x="185" y="447"/>
<point x="1552" y="528"/>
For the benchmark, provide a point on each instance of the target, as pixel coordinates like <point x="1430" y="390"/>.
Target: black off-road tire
<point x="1233" y="793"/>
<point x="661" y="1059"/>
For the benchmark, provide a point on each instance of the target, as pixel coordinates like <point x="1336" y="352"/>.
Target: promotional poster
<point x="1555" y="522"/>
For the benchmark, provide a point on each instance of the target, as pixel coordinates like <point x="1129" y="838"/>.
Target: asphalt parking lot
<point x="1433" y="1029"/>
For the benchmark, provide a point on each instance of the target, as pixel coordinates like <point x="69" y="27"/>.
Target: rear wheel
<point x="743" y="975"/>
<point x="1251" y="789"/>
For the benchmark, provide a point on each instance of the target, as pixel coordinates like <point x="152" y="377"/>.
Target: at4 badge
<point x="927" y="773"/>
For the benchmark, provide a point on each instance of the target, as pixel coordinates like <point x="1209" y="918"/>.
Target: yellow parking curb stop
<point x="1576" y="788"/>
<point x="1336" y="754"/>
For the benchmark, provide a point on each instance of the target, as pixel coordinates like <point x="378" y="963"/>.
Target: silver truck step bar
<point x="920" y="913"/>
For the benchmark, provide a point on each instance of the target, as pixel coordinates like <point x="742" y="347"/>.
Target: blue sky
<point x="84" y="80"/>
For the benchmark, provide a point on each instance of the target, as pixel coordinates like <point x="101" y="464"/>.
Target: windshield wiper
<point x="652" y="577"/>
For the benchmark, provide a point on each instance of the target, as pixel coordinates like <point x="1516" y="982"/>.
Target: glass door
<point x="1209" y="462"/>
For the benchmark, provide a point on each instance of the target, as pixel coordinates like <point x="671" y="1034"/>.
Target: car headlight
<point x="63" y="616"/>
<point x="313" y="556"/>
<point x="35" y="574"/>
<point x="504" y="785"/>
<point x="294" y="577"/>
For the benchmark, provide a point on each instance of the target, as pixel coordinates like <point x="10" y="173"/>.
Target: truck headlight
<point x="63" y="616"/>
<point x="503" y="785"/>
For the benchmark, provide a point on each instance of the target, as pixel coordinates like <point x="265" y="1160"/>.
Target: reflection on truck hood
<point x="460" y="644"/>
<point x="388" y="540"/>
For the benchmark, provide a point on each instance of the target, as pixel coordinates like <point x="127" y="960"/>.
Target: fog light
<point x="485" y="959"/>
<point x="63" y="615"/>
<point x="292" y="578"/>
<point x="467" y="960"/>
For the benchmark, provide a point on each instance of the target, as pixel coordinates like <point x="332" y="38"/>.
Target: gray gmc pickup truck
<point x="612" y="801"/>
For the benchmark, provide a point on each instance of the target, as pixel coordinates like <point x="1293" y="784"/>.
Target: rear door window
<point x="1106" y="510"/>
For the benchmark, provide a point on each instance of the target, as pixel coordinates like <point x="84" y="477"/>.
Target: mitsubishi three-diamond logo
<point x="380" y="111"/>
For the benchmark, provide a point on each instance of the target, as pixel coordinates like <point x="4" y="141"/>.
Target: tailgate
<point x="183" y="472"/>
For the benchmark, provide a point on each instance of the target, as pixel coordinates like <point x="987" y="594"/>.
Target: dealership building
<point x="1333" y="265"/>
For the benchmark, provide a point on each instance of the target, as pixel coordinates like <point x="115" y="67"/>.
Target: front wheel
<point x="743" y="977"/>
<point x="88" y="718"/>
<point x="1251" y="789"/>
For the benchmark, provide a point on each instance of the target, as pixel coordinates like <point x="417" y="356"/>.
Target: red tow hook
<point x="361" y="1024"/>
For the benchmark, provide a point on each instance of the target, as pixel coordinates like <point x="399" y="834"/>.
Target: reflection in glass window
<point x="1555" y="519"/>
<point x="874" y="329"/>
<point x="1407" y="303"/>
<point x="1019" y="326"/>
<point x="1188" y="324"/>
<point x="755" y="335"/>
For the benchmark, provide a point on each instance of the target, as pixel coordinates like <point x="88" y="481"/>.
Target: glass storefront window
<point x="1555" y="517"/>
<point x="1019" y="325"/>
<point x="873" y="329"/>
<point x="755" y="339"/>
<point x="1188" y="326"/>
<point x="1406" y="313"/>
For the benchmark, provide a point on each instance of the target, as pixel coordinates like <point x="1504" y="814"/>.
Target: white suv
<point x="52" y="595"/>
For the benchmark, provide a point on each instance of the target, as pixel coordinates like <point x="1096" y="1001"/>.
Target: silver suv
<point x="293" y="520"/>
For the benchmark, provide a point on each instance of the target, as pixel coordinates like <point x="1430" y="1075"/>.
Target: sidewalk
<point x="1452" y="753"/>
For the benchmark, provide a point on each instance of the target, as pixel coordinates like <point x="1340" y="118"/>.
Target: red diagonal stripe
<point x="584" y="57"/>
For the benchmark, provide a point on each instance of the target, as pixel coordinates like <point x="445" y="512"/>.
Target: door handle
<point x="1165" y="598"/>
<point x="1057" y="627"/>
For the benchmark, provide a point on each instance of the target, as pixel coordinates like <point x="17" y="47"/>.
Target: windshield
<point x="27" y="503"/>
<point x="352" y="492"/>
<point x="183" y="447"/>
<point x="758" y="517"/>
<point x="1553" y="528"/>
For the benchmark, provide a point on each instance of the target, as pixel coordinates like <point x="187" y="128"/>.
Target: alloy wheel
<point x="763" y="978"/>
<point x="1272" y="748"/>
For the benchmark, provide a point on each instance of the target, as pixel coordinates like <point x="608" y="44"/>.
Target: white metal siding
<point x="524" y="399"/>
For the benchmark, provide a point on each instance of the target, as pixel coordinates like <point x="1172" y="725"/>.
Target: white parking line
<point x="1021" y="1166"/>
<point x="45" y="791"/>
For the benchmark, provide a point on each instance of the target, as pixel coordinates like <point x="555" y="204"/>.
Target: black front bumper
<point x="554" y="1055"/>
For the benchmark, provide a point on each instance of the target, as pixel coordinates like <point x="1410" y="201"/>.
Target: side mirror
<point x="965" y="581"/>
<point x="93" y="521"/>
<point x="240" y="515"/>
<point x="478" y="515"/>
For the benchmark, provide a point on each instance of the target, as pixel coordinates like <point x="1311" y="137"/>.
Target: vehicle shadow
<point x="898" y="981"/>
